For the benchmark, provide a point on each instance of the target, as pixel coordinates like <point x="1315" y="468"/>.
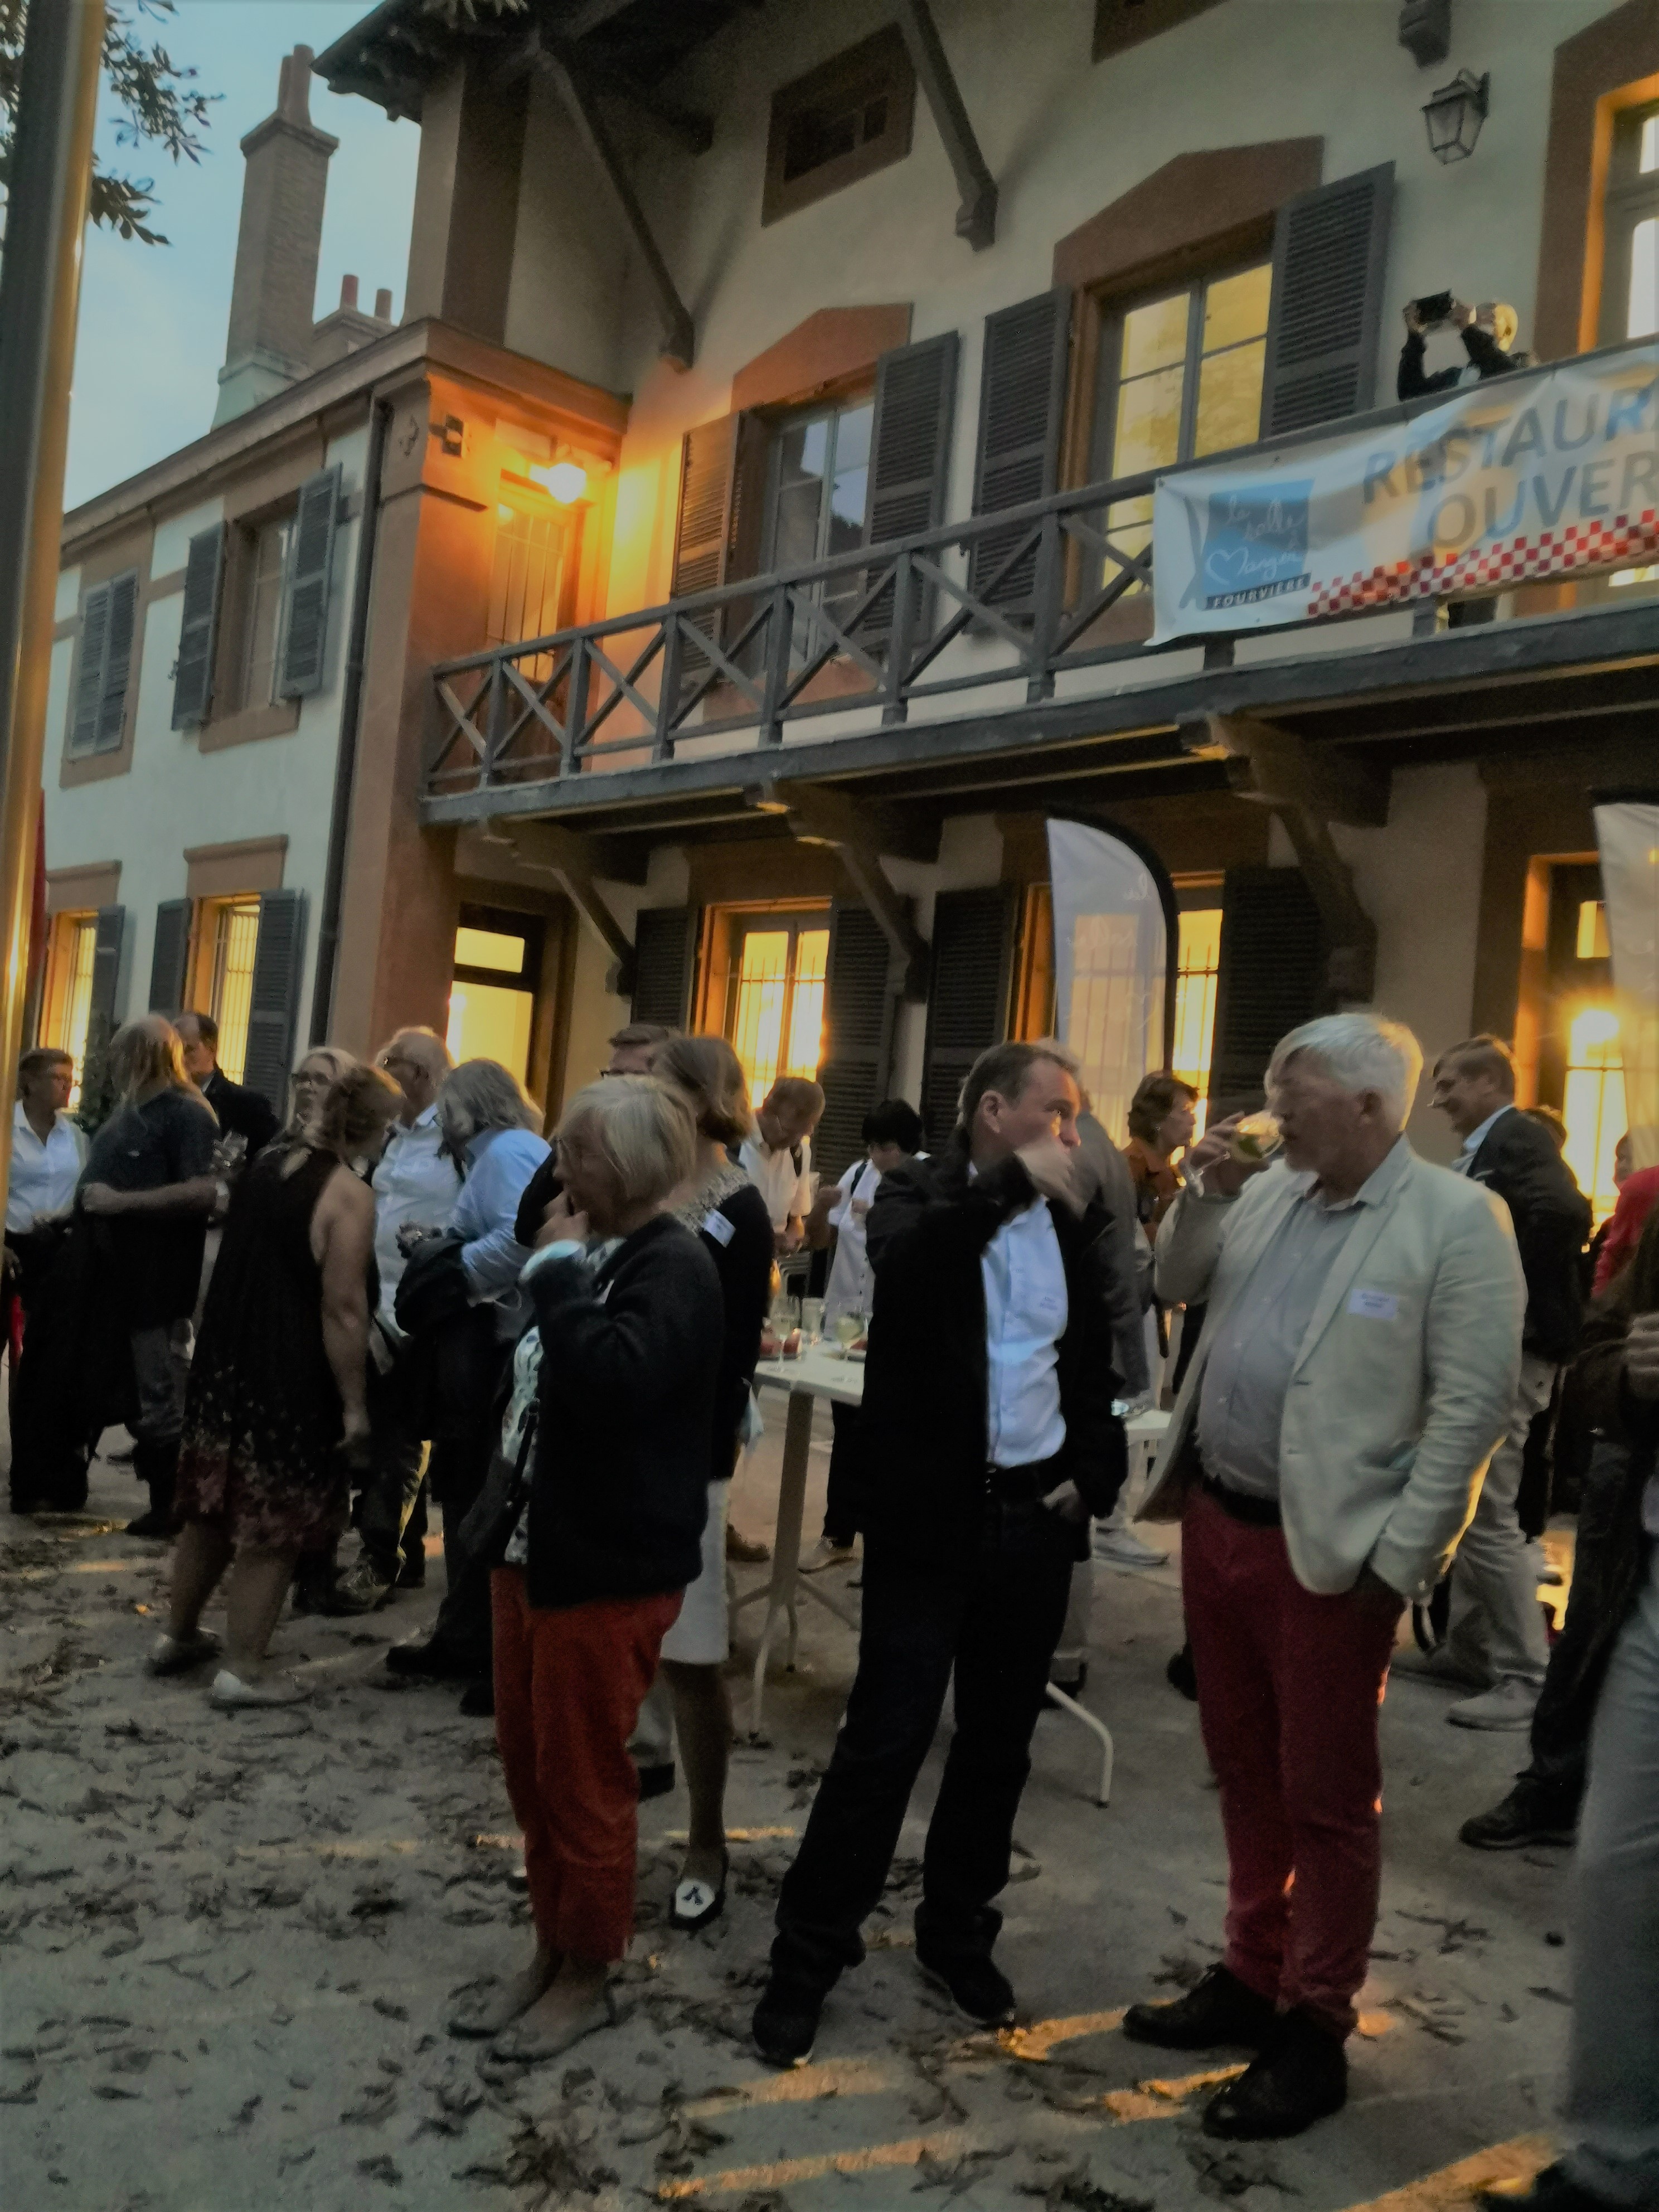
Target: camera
<point x="1437" y="308"/>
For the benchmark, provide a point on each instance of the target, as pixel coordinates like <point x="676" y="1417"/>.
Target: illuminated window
<point x="774" y="1008"/>
<point x="1198" y="966"/>
<point x="1185" y="381"/>
<point x="492" y="994"/>
<point x="235" y="938"/>
<point x="1592" y="942"/>
<point x="531" y="585"/>
<point x="68" y="990"/>
<point x="820" y="473"/>
<point x="1630" y="277"/>
<point x="1593" y="1102"/>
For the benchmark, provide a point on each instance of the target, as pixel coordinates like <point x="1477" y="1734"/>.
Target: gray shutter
<point x="96" y="1099"/>
<point x="1330" y="255"/>
<point x="118" y="663"/>
<point x="89" y="672"/>
<point x="273" y="999"/>
<point x="909" y="451"/>
<point x="967" y="997"/>
<point x="167" y="966"/>
<point x="665" y="957"/>
<point x="1269" y="978"/>
<point x="305" y="629"/>
<point x="1022" y="403"/>
<point x="858" y="1034"/>
<point x="198" y="629"/>
<point x="709" y="475"/>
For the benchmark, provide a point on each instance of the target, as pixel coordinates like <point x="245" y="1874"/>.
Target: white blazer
<point x="1404" y="1383"/>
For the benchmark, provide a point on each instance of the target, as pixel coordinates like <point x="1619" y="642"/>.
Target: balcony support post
<point x="894" y="707"/>
<point x="575" y="716"/>
<point x="976" y="217"/>
<point x="569" y="860"/>
<point x="779" y="630"/>
<point x="668" y="689"/>
<point x="819" y="816"/>
<point x="1048" y="587"/>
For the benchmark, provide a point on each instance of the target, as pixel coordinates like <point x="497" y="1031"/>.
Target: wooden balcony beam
<point x="820" y="816"/>
<point x="571" y="861"/>
<point x="976" y="217"/>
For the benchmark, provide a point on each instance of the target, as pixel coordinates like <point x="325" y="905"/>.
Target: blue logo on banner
<point x="1256" y="544"/>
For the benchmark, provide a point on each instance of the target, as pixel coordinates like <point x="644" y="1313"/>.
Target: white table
<point x="820" y="1373"/>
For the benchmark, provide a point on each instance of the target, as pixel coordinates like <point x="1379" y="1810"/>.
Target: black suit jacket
<point x="1551" y="1216"/>
<point x="924" y="1426"/>
<point x="241" y="1112"/>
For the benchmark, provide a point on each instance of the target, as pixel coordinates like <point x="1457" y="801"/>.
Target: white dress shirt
<point x="414" y="1183"/>
<point x="1476" y="1138"/>
<point x="1026" y="1314"/>
<point x="43" y="1176"/>
<point x="848" y="1288"/>
<point x="785" y="1189"/>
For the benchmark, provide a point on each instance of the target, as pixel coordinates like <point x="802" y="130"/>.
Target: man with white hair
<point x="1357" y="1363"/>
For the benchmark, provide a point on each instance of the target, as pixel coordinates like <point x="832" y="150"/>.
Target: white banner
<point x="1111" y="954"/>
<point x="1532" y="475"/>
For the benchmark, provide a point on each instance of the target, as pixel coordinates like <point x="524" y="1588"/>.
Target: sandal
<point x="695" y="1903"/>
<point x="525" y="2044"/>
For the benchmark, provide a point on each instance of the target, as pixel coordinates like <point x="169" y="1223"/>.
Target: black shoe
<point x="656" y="1781"/>
<point x="1073" y="1686"/>
<point x="412" y="1576"/>
<point x="1551" y="2191"/>
<point x="1220" y="2009"/>
<point x="158" y="1525"/>
<point x="976" y="1986"/>
<point x="1302" y="2076"/>
<point x="478" y="1700"/>
<point x="432" y="1661"/>
<point x="1180" y="1674"/>
<point x="786" y="2023"/>
<point x="1524" y="1817"/>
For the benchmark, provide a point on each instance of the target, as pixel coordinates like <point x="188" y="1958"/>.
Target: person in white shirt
<point x="778" y="1158"/>
<point x="48" y="1152"/>
<point x="416" y="1183"/>
<point x="892" y="1134"/>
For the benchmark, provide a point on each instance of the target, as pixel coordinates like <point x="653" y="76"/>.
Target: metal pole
<point x="46" y="201"/>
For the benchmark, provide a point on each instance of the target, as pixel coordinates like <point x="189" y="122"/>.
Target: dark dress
<point x="263" y="1420"/>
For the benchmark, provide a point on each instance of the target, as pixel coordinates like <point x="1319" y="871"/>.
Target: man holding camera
<point x="1488" y="333"/>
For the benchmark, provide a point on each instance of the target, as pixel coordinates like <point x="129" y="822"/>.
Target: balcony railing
<point x="1010" y="602"/>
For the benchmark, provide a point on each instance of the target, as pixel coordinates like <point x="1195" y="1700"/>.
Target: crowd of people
<point x="410" y="1291"/>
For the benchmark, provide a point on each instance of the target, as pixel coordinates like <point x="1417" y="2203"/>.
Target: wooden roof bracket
<point x="563" y="70"/>
<point x="570" y="860"/>
<point x="1308" y="787"/>
<point x="976" y="217"/>
<point x="818" y="816"/>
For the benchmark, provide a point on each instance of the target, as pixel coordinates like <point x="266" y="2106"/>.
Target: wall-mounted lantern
<point x="1455" y="116"/>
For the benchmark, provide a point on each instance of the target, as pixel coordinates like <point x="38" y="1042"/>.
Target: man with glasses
<point x="416" y="1183"/>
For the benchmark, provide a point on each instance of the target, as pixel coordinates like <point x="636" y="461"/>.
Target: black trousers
<point x="844" y="1492"/>
<point x="1578" y="1659"/>
<point x="995" y="1620"/>
<point x="386" y="1508"/>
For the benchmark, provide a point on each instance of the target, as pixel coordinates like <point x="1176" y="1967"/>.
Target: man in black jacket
<point x="1488" y="333"/>
<point x="1497" y="1644"/>
<point x="989" y="1438"/>
<point x="242" y="1113"/>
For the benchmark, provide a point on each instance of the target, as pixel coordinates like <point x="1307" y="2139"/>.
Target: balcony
<point x="1017" y="635"/>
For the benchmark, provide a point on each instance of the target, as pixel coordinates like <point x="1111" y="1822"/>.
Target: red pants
<point x="568" y="1687"/>
<point x="1289" y="1685"/>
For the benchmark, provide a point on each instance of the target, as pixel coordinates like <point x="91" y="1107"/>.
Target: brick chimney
<point x="268" y="345"/>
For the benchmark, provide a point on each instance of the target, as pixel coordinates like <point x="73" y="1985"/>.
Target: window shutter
<point x="1330" y="250"/>
<point x="274" y="997"/>
<point x="1269" y="980"/>
<point x="167" y="966"/>
<point x="198" y="626"/>
<point x="95" y="1099"/>
<point x="967" y="997"/>
<point x="858" y="1029"/>
<point x="305" y="632"/>
<point x="909" y="450"/>
<point x="708" y="476"/>
<point x="1022" y="398"/>
<point x="89" y="673"/>
<point x="665" y="957"/>
<point x="118" y="663"/>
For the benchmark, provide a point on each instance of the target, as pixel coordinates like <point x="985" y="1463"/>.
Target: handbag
<point x="488" y="1529"/>
<point x="433" y="1286"/>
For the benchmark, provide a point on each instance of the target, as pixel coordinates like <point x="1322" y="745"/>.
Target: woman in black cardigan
<point x="734" y="1227"/>
<point x="627" y="1310"/>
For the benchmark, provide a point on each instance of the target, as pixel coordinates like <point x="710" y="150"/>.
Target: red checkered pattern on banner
<point x="1516" y="561"/>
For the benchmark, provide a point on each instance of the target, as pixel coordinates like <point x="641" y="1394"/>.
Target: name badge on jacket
<point x="717" y="1226"/>
<point x="1374" y="1305"/>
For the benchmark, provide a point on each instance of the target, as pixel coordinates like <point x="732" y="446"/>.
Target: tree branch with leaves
<point x="159" y="103"/>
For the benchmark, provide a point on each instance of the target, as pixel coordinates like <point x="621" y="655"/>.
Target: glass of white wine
<point x="849" y="1328"/>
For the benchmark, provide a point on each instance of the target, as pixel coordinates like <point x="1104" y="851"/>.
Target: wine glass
<point x="849" y="1328"/>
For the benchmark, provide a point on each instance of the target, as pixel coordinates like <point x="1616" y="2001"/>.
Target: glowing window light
<point x="564" y="480"/>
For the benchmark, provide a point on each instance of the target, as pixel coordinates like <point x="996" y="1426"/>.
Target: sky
<point x="152" y="335"/>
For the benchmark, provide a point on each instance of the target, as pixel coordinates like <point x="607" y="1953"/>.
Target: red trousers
<point x="569" y="1687"/>
<point x="1289" y="1685"/>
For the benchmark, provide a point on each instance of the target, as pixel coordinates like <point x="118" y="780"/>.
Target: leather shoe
<point x="978" y="1988"/>
<point x="478" y="1699"/>
<point x="432" y="1661"/>
<point x="1551" y="2191"/>
<point x="656" y="1781"/>
<point x="786" y="2023"/>
<point x="1523" y="1817"/>
<point x="1301" y="2077"/>
<point x="1220" y="2009"/>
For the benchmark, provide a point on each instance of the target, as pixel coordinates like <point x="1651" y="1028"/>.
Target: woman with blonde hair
<point x="720" y="1203"/>
<point x="308" y="1086"/>
<point x="113" y="1343"/>
<point x="617" y="1378"/>
<point x="275" y="1413"/>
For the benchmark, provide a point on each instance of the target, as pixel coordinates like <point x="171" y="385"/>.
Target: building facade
<point x="858" y="337"/>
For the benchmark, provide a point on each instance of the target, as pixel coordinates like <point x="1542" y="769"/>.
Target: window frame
<point x="1113" y="311"/>
<point x="69" y="926"/>
<point x="252" y="536"/>
<point x="531" y="930"/>
<point x="1631" y="198"/>
<point x="735" y="923"/>
<point x="877" y="67"/>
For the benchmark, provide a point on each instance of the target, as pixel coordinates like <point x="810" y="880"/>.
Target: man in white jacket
<point x="1356" y="1371"/>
